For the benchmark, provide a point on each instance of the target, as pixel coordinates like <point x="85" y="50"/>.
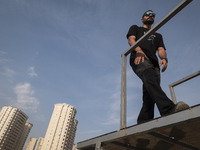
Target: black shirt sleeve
<point x="161" y="43"/>
<point x="132" y="31"/>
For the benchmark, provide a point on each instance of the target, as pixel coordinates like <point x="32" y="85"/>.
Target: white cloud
<point x="5" y="70"/>
<point x="114" y="110"/>
<point x="8" y="73"/>
<point x="31" y="72"/>
<point x="25" y="99"/>
<point x="3" y="59"/>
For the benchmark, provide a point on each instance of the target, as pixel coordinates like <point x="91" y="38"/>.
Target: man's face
<point x="148" y="18"/>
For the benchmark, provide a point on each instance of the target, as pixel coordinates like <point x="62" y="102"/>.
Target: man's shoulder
<point x="135" y="30"/>
<point x="134" y="26"/>
<point x="158" y="34"/>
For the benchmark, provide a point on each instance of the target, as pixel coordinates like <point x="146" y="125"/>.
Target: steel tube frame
<point x="123" y="112"/>
<point x="123" y="94"/>
<point x="171" y="86"/>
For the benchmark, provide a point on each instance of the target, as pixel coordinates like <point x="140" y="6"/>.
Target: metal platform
<point x="179" y="131"/>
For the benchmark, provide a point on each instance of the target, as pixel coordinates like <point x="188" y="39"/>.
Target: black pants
<point x="152" y="92"/>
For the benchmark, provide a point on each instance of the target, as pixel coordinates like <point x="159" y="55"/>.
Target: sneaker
<point x="180" y="106"/>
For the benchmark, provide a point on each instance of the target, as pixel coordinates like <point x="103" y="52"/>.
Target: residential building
<point x="13" y="132"/>
<point x="74" y="147"/>
<point x="62" y="128"/>
<point x="24" y="135"/>
<point x="39" y="144"/>
<point x="31" y="144"/>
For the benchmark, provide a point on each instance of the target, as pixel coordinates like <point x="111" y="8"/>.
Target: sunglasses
<point x="148" y="14"/>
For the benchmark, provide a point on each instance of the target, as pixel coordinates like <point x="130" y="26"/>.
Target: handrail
<point x="172" y="85"/>
<point x="177" y="9"/>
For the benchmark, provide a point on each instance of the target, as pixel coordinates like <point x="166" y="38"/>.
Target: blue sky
<point x="69" y="51"/>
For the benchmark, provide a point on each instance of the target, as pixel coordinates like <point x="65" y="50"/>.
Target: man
<point x="144" y="63"/>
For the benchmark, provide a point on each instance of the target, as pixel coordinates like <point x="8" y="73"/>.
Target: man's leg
<point x="147" y="111"/>
<point x="151" y="80"/>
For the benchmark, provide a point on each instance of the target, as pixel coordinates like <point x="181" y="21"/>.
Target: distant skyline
<point x="69" y="51"/>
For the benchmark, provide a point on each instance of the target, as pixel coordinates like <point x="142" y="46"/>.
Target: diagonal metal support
<point x="173" y="141"/>
<point x="98" y="146"/>
<point x="128" y="147"/>
<point x="177" y="9"/>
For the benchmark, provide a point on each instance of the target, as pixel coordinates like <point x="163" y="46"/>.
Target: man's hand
<point x="164" y="63"/>
<point x="163" y="56"/>
<point x="140" y="55"/>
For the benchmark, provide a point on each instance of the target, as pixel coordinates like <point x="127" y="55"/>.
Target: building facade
<point x="62" y="128"/>
<point x="13" y="132"/>
<point x="24" y="135"/>
<point x="31" y="144"/>
<point x="39" y="143"/>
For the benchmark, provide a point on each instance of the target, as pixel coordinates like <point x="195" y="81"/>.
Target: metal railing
<point x="123" y="106"/>
<point x="171" y="86"/>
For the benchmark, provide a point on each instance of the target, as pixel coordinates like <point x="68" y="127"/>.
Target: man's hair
<point x="145" y="13"/>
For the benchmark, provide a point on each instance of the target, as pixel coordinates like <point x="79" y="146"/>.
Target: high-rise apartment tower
<point x="39" y="143"/>
<point x="24" y="135"/>
<point x="13" y="128"/>
<point x="62" y="128"/>
<point x="31" y="144"/>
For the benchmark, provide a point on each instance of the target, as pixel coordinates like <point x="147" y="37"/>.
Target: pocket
<point x="141" y="67"/>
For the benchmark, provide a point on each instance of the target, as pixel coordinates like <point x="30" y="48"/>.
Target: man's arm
<point x="163" y="56"/>
<point x="139" y="53"/>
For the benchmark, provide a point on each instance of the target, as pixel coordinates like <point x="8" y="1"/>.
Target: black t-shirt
<point x="149" y="46"/>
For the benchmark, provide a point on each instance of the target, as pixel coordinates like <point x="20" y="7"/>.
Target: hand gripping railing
<point x="177" y="9"/>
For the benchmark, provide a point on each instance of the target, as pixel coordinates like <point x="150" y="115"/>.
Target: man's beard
<point x="148" y="22"/>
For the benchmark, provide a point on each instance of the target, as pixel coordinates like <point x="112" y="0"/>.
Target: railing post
<point x="123" y="93"/>
<point x="171" y="86"/>
<point x="171" y="89"/>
